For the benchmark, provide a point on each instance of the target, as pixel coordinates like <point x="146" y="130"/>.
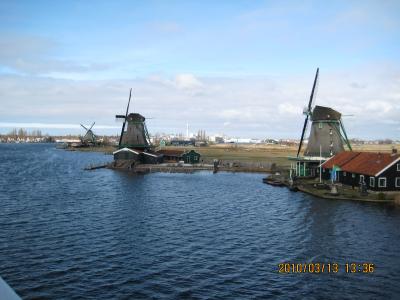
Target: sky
<point x="242" y="68"/>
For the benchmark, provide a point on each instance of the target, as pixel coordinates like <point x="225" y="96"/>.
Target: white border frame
<point x="372" y="181"/>
<point x="379" y="182"/>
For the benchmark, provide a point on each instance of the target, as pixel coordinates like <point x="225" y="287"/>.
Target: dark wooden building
<point x="144" y="157"/>
<point x="171" y="155"/>
<point x="190" y="157"/>
<point x="379" y="171"/>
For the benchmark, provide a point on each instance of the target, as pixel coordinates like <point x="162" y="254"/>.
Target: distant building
<point x="190" y="142"/>
<point x="378" y="171"/>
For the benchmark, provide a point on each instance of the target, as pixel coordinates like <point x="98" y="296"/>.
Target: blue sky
<point x="238" y="67"/>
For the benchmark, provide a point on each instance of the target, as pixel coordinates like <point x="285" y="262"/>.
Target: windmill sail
<point x="308" y="111"/>
<point x="124" y="117"/>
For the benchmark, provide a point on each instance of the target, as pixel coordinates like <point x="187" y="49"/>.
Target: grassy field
<point x="277" y="154"/>
<point x="264" y="153"/>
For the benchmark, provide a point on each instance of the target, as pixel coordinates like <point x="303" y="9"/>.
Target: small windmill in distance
<point x="89" y="137"/>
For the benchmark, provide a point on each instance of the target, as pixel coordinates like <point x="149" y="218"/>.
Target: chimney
<point x="394" y="151"/>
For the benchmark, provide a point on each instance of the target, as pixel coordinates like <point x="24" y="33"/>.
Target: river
<point x="66" y="233"/>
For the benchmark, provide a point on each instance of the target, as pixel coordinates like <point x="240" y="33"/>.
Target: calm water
<point x="66" y="233"/>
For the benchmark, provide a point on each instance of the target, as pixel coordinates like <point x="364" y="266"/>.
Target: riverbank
<point x="243" y="153"/>
<point x="180" y="168"/>
<point x="313" y="187"/>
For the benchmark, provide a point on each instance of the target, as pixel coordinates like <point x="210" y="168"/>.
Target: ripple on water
<point x="70" y="234"/>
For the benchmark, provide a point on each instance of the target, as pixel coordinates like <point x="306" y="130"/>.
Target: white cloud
<point x="53" y="125"/>
<point x="187" y="81"/>
<point x="241" y="106"/>
<point x="378" y="107"/>
<point x="288" y="108"/>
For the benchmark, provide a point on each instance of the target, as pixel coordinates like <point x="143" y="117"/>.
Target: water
<point x="66" y="233"/>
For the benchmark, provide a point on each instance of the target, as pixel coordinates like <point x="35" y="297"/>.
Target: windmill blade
<point x="92" y="126"/>
<point x="302" y="134"/>
<point x="126" y="116"/>
<point x="129" y="102"/>
<point x="84" y="127"/>
<point x="310" y="103"/>
<point x="313" y="91"/>
<point x="344" y="136"/>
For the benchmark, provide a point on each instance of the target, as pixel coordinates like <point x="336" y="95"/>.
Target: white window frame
<point x="397" y="182"/>
<point x="372" y="181"/>
<point x="379" y="182"/>
<point x="362" y="178"/>
<point x="398" y="167"/>
<point x="344" y="174"/>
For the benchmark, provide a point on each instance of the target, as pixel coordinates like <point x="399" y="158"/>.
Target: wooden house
<point x="190" y="157"/>
<point x="144" y="157"/>
<point x="379" y="171"/>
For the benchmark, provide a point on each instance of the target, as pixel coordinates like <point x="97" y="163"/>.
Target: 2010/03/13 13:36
<point x="316" y="268"/>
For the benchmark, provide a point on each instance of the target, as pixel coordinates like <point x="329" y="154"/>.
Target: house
<point x="145" y="157"/>
<point x="379" y="171"/>
<point x="171" y="155"/>
<point x="190" y="157"/>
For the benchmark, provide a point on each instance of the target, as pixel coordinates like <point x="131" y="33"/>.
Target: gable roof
<point x="367" y="163"/>
<point x="150" y="154"/>
<point x="127" y="150"/>
<point x="340" y="159"/>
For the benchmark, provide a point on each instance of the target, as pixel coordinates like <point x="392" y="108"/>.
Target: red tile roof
<point x="367" y="163"/>
<point x="340" y="159"/>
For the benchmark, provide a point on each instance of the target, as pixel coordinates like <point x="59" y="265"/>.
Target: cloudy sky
<point x="243" y="68"/>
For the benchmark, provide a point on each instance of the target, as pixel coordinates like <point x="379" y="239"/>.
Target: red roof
<point x="340" y="159"/>
<point x="367" y="163"/>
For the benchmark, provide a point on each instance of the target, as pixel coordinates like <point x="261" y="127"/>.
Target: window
<point x="344" y="174"/>
<point x="398" y="167"/>
<point x="397" y="182"/>
<point x="372" y="181"/>
<point x="320" y="125"/>
<point x="361" y="178"/>
<point x="382" y="182"/>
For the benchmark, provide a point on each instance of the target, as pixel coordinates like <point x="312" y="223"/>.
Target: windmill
<point x="327" y="136"/>
<point x="136" y="136"/>
<point x="89" y="137"/>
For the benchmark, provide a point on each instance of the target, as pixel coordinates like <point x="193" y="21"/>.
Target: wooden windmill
<point x="89" y="137"/>
<point x="136" y="135"/>
<point x="327" y="136"/>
